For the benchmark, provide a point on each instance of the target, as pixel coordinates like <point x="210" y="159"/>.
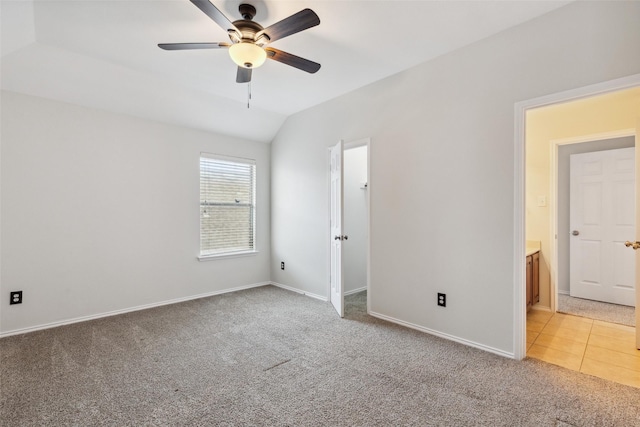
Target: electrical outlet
<point x="442" y="299"/>
<point x="282" y="265"/>
<point x="15" y="297"/>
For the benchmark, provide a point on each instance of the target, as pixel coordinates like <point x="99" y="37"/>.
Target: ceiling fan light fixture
<point x="247" y="55"/>
<point x="249" y="39"/>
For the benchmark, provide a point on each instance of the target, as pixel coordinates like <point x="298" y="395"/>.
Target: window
<point x="227" y="205"/>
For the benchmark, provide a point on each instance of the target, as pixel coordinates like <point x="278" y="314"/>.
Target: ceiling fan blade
<point x="214" y="13"/>
<point x="302" y="20"/>
<point x="292" y="60"/>
<point x="187" y="46"/>
<point x="243" y="75"/>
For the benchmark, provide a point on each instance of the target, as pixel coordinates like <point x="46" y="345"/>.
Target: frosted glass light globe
<point x="247" y="55"/>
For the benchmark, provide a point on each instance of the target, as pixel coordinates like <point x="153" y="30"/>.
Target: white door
<point x="602" y="217"/>
<point x="637" y="237"/>
<point x="337" y="293"/>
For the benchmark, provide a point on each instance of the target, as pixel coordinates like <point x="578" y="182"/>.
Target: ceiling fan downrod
<point x="247" y="11"/>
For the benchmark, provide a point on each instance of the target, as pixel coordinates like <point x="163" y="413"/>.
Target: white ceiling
<point x="104" y="54"/>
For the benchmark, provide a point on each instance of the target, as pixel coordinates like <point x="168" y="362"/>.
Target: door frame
<point x="553" y="232"/>
<point x="346" y="146"/>
<point x="520" y="110"/>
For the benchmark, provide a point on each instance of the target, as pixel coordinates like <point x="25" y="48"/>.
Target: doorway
<point x="356" y="190"/>
<point x="577" y="341"/>
<point x="601" y="218"/>
<point x="541" y="200"/>
<point x="564" y="298"/>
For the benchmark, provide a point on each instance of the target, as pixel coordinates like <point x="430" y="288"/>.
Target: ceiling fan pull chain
<point x="248" y="94"/>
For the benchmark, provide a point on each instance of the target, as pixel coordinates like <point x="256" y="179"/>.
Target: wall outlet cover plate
<point x="15" y="297"/>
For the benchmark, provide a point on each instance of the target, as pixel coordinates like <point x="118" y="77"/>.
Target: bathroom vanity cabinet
<point x="533" y="279"/>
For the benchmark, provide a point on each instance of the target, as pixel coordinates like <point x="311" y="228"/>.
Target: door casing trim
<point x="520" y="109"/>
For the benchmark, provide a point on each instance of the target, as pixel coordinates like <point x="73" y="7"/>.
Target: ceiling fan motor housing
<point x="249" y="29"/>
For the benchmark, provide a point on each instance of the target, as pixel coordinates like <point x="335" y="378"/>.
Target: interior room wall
<point x="100" y="213"/>
<point x="442" y="169"/>
<point x="597" y="115"/>
<point x="354" y="250"/>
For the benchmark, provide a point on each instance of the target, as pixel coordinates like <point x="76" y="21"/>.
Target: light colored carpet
<point x="270" y="357"/>
<point x="597" y="310"/>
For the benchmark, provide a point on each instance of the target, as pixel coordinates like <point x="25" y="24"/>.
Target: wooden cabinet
<point x="533" y="279"/>
<point x="529" y="282"/>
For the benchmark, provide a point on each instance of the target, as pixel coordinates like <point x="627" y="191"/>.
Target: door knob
<point x="575" y="232"/>
<point x="634" y="245"/>
<point x="345" y="237"/>
<point x="337" y="238"/>
<point x="341" y="238"/>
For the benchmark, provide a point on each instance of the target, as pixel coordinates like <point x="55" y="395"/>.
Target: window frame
<point x="233" y="253"/>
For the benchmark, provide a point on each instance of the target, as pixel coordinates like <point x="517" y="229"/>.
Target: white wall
<point x="442" y="169"/>
<point x="100" y="212"/>
<point x="354" y="250"/>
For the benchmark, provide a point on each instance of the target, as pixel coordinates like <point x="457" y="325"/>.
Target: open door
<point x="336" y="236"/>
<point x="636" y="244"/>
<point x="637" y="236"/>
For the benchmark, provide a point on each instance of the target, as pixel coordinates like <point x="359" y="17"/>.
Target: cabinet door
<point x="529" y="282"/>
<point x="535" y="278"/>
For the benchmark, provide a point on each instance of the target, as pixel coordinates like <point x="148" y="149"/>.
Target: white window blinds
<point x="227" y="205"/>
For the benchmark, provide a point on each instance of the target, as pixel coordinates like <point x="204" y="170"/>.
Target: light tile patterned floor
<point x="601" y="349"/>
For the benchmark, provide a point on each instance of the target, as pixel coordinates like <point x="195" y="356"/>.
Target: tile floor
<point x="602" y="349"/>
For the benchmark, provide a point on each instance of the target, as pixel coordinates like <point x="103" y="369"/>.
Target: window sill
<point x="227" y="255"/>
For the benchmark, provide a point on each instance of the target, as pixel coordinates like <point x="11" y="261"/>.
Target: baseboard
<point x="563" y="292"/>
<point x="298" y="291"/>
<point x="443" y="335"/>
<point x="355" y="291"/>
<point x="127" y="310"/>
<point x="541" y="308"/>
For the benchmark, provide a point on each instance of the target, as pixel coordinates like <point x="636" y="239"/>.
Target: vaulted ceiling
<point x="104" y="54"/>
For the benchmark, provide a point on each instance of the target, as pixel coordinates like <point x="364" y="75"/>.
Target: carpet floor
<point x="266" y="356"/>
<point x="597" y="310"/>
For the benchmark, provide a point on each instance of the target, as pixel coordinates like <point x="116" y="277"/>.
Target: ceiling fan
<point x="249" y="39"/>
